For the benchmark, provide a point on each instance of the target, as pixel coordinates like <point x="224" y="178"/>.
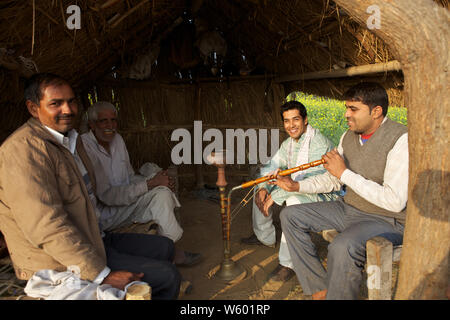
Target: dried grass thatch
<point x="282" y="37"/>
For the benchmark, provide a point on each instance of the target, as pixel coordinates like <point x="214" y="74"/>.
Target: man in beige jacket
<point x="46" y="203"/>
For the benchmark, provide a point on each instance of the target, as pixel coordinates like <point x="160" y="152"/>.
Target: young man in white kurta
<point x="305" y="144"/>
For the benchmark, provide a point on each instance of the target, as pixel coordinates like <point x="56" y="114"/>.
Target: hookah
<point x="230" y="269"/>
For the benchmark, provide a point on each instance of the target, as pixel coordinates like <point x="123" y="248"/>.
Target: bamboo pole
<point x="393" y="65"/>
<point x="129" y="83"/>
<point x="108" y="4"/>
<point x="129" y="12"/>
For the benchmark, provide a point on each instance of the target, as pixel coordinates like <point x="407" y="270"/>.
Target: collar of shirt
<point x="112" y="144"/>
<point x="68" y="142"/>
<point x="361" y="141"/>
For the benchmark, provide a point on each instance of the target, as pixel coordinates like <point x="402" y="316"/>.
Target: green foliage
<point x="327" y="114"/>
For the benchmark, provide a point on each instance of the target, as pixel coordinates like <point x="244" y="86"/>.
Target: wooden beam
<point x="368" y="69"/>
<point x="130" y="83"/>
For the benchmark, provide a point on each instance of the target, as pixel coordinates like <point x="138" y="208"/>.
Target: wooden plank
<point x="379" y="268"/>
<point x="368" y="69"/>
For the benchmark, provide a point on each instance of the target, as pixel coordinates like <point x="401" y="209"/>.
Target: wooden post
<point x="379" y="268"/>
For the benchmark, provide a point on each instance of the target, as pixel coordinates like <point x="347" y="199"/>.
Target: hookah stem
<point x="225" y="213"/>
<point x="283" y="173"/>
<point x="225" y="208"/>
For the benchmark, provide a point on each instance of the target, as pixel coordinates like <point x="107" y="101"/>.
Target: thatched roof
<point x="282" y="37"/>
<point x="279" y="37"/>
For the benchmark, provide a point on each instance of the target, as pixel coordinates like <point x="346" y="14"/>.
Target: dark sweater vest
<point x="369" y="161"/>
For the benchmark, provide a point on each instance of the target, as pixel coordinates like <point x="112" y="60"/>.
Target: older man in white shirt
<point x="372" y="161"/>
<point x="125" y="197"/>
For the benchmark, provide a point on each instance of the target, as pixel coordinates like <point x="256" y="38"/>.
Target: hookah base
<point x="230" y="270"/>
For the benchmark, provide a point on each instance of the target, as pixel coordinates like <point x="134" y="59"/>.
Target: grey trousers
<point x="346" y="254"/>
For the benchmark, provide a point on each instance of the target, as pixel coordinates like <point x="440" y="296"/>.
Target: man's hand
<point x="160" y="179"/>
<point x="285" y="182"/>
<point x="264" y="201"/>
<point x="334" y="163"/>
<point x="119" y="279"/>
<point x="260" y="198"/>
<point x="267" y="204"/>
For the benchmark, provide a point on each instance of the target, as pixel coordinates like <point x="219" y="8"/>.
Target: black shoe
<point x="253" y="240"/>
<point x="281" y="274"/>
<point x="190" y="259"/>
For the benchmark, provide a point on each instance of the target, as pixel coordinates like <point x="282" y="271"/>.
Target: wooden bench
<point x="380" y="256"/>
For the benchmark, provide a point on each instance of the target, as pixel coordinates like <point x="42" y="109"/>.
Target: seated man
<point x="46" y="210"/>
<point x="305" y="144"/>
<point x="125" y="198"/>
<point x="372" y="161"/>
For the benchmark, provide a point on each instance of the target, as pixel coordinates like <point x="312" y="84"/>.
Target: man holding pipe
<point x="305" y="144"/>
<point x="372" y="161"/>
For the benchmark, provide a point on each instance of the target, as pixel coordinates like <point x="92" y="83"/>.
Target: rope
<point x="244" y="200"/>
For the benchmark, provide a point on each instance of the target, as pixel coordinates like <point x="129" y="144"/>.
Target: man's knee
<point x="168" y="281"/>
<point x="167" y="247"/>
<point x="170" y="274"/>
<point x="344" y="246"/>
<point x="163" y="195"/>
<point x="286" y="215"/>
<point x="292" y="215"/>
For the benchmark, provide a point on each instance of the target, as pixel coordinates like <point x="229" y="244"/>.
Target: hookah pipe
<point x="261" y="180"/>
<point x="281" y="173"/>
<point x="229" y="269"/>
<point x="271" y="177"/>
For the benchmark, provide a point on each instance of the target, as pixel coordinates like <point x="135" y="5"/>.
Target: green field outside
<point x="327" y="114"/>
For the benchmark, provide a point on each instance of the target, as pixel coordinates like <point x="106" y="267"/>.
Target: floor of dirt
<point x="201" y="221"/>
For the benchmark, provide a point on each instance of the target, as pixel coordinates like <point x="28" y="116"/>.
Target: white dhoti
<point x="157" y="204"/>
<point x="265" y="231"/>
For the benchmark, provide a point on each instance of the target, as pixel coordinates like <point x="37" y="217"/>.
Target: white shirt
<point x="392" y="195"/>
<point x="117" y="184"/>
<point x="70" y="143"/>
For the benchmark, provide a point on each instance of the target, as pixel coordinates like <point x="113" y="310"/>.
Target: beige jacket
<point x="45" y="213"/>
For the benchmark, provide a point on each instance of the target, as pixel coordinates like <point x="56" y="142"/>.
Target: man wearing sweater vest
<point x="372" y="162"/>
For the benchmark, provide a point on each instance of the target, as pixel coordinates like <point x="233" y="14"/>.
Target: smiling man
<point x="126" y="197"/>
<point x="372" y="161"/>
<point x="47" y="207"/>
<point x="305" y="144"/>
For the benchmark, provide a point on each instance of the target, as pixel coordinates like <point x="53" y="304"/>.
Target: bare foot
<point x="320" y="295"/>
